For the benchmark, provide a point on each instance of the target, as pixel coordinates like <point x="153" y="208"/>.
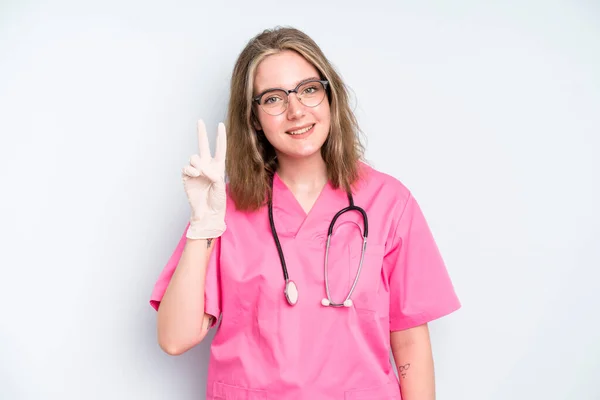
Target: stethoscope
<point x="291" y="290"/>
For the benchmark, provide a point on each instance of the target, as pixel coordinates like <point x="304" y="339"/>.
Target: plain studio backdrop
<point x="489" y="113"/>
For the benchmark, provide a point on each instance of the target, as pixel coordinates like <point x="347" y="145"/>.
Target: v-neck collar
<point x="290" y="218"/>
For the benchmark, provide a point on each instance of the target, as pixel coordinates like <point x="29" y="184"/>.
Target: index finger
<point x="221" y="148"/>
<point x="203" y="145"/>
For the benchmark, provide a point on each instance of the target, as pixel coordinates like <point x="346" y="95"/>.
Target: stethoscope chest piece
<point x="291" y="293"/>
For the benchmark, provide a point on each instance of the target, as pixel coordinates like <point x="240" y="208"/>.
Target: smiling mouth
<point x="300" y="131"/>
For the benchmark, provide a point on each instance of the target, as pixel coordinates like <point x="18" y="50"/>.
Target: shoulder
<point x="379" y="183"/>
<point x="385" y="198"/>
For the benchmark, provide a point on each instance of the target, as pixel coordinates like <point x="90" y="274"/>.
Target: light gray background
<point x="488" y="112"/>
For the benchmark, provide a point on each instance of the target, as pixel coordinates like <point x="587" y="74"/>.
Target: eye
<point x="271" y="99"/>
<point x="310" y="89"/>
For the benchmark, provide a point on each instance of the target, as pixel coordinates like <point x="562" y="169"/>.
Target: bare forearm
<point x="181" y="321"/>
<point x="412" y="352"/>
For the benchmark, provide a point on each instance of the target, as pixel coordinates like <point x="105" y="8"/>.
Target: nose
<point x="295" y="109"/>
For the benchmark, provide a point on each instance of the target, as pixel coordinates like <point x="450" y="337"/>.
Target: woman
<point x="303" y="314"/>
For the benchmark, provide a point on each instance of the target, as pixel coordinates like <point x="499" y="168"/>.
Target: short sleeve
<point x="419" y="284"/>
<point x="212" y="292"/>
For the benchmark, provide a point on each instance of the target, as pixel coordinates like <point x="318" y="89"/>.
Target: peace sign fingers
<point x="221" y="148"/>
<point x="204" y="163"/>
<point x="203" y="145"/>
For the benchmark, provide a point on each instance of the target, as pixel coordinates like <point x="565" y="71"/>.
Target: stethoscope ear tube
<point x="351" y="207"/>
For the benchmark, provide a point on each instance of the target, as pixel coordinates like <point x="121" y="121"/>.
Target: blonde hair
<point x="251" y="160"/>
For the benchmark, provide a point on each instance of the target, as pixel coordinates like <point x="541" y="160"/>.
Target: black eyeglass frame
<point x="323" y="82"/>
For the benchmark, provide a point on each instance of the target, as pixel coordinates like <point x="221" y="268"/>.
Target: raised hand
<point x="204" y="184"/>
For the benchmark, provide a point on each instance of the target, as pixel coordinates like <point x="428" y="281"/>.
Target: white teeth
<point x="301" y="131"/>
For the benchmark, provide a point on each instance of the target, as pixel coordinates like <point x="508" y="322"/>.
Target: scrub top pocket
<point x="338" y="272"/>
<point x="367" y="293"/>
<point x="344" y="261"/>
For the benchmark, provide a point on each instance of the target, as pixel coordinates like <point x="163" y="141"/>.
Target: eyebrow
<point x="296" y="84"/>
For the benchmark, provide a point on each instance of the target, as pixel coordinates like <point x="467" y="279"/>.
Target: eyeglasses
<point x="275" y="101"/>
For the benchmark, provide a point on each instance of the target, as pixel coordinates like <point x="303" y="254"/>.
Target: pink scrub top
<point x="264" y="348"/>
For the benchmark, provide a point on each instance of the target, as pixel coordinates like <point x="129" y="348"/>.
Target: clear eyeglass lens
<point x="275" y="102"/>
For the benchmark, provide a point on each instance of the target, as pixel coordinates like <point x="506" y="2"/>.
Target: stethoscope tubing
<point x="277" y="243"/>
<point x="326" y="302"/>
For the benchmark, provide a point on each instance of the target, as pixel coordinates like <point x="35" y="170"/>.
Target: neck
<point x="304" y="174"/>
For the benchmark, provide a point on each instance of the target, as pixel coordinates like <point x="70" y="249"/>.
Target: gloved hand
<point x="204" y="184"/>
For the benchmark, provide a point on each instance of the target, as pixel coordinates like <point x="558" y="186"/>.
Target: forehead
<point x="283" y="70"/>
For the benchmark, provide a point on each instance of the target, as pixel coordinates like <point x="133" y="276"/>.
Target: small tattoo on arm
<point x="208" y="242"/>
<point x="402" y="370"/>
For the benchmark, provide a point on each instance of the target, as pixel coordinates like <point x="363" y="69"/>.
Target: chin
<point x="304" y="154"/>
<point x="308" y="149"/>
